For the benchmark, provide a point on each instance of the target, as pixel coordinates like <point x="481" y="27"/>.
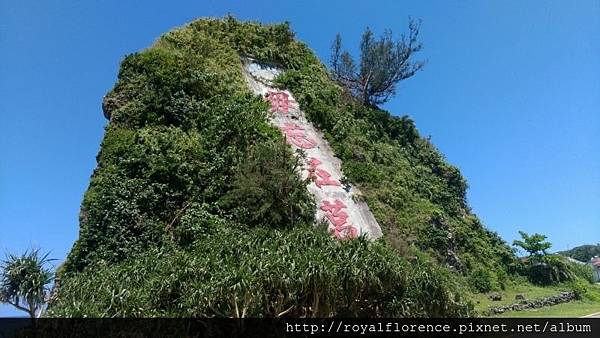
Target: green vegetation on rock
<point x="185" y="214"/>
<point x="548" y="269"/>
<point x="417" y="197"/>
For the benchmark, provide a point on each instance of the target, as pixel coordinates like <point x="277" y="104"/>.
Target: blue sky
<point x="510" y="94"/>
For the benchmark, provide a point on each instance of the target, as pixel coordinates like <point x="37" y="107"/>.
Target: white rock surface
<point x="354" y="218"/>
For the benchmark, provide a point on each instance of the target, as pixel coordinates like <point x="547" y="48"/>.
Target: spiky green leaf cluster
<point x="264" y="273"/>
<point x="25" y="280"/>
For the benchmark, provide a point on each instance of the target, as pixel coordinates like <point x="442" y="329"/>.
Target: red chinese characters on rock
<point x="279" y="101"/>
<point x="297" y="136"/>
<point x="320" y="176"/>
<point x="338" y="217"/>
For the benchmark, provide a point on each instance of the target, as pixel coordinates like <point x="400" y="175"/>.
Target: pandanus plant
<point x="25" y="280"/>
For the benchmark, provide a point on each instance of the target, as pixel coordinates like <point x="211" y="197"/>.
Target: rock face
<point x="338" y="204"/>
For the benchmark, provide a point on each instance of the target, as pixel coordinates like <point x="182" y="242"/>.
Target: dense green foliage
<point x="542" y="268"/>
<point x="185" y="216"/>
<point x="416" y="196"/>
<point x="555" y="269"/>
<point x="181" y="122"/>
<point x="260" y="272"/>
<point x="482" y="280"/>
<point x="583" y="253"/>
<point x="25" y="280"/>
<point x="535" y="245"/>
<point x="267" y="189"/>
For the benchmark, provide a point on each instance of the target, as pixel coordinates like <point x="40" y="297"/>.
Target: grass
<point x="577" y="308"/>
<point x="483" y="303"/>
<point x="572" y="309"/>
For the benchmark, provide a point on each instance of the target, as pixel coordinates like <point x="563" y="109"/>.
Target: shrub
<point x="267" y="189"/>
<point x="581" y="271"/>
<point x="264" y="273"/>
<point x="554" y="269"/>
<point x="481" y="280"/>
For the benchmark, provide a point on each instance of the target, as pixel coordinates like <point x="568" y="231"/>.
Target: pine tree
<point x="383" y="64"/>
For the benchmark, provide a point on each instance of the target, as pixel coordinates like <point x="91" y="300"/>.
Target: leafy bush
<point x="267" y="189"/>
<point x="264" y="273"/>
<point x="554" y="269"/>
<point x="580" y="288"/>
<point x="481" y="280"/>
<point x="582" y="271"/>
<point x="543" y="274"/>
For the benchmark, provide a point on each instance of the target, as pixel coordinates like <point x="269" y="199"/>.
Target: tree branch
<point x="345" y="78"/>
<point x="16" y="304"/>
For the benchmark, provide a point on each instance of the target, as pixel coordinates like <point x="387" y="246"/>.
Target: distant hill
<point x="583" y="253"/>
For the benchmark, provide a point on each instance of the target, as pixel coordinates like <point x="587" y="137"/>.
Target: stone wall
<point x="562" y="297"/>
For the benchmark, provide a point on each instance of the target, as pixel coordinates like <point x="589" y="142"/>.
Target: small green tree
<point x="267" y="188"/>
<point x="383" y="63"/>
<point x="534" y="244"/>
<point x="24" y="282"/>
